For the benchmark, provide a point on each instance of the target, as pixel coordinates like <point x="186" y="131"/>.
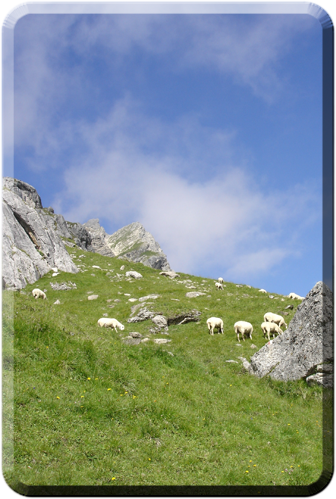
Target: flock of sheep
<point x="272" y="322"/>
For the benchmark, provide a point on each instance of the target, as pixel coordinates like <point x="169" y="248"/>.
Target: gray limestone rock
<point x="134" y="274"/>
<point x="184" y="317"/>
<point x="93" y="297"/>
<point x="161" y="341"/>
<point x="326" y="380"/>
<point x="129" y="340"/>
<point x="160" y="321"/>
<point x="143" y="315"/>
<point x="134" y="243"/>
<point x="98" y="237"/>
<point x="194" y="294"/>
<point x="63" y="286"/>
<point x="30" y="247"/>
<point x="148" y="297"/>
<point x="170" y="274"/>
<point x="306" y="344"/>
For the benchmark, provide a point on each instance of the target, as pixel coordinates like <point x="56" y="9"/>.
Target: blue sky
<point x="205" y="128"/>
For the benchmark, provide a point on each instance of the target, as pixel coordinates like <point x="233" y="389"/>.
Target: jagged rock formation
<point x="34" y="238"/>
<point x="31" y="247"/>
<point x="72" y="234"/>
<point x="308" y="342"/>
<point x="98" y="237"/>
<point x="134" y="243"/>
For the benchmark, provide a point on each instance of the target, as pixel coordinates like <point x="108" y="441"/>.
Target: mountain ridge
<point x="34" y="238"/>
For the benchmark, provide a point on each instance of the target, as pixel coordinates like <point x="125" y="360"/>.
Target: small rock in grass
<point x="122" y="267"/>
<point x="129" y="340"/>
<point x="93" y="297"/>
<point x="135" y="335"/>
<point x="105" y="315"/>
<point x="134" y="274"/>
<point x="161" y="341"/>
<point x="144" y="340"/>
<point x="160" y="321"/>
<point x="289" y="307"/>
<point x="238" y="345"/>
<point x="271" y="296"/>
<point x="253" y="346"/>
<point x="133" y="299"/>
<point x="148" y="297"/>
<point x="89" y="292"/>
<point x="170" y="353"/>
<point x="117" y="301"/>
<point x="233" y="361"/>
<point x="108" y="301"/>
<point x="57" y="302"/>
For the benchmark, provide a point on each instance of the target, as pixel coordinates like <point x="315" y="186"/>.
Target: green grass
<point x="90" y="410"/>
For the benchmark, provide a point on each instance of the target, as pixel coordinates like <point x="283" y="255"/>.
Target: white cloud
<point x="223" y="219"/>
<point x="247" y="50"/>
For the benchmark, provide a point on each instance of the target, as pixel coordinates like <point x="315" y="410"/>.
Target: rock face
<point x="98" y="237"/>
<point x="305" y="345"/>
<point x="134" y="243"/>
<point x="34" y="239"/>
<point x="31" y="247"/>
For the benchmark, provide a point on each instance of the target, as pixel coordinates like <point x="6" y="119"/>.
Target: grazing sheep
<point x="243" y="328"/>
<point x="220" y="279"/>
<point x="215" y="323"/>
<point x="262" y="291"/>
<point x="113" y="323"/>
<point x="277" y="319"/>
<point x="294" y="296"/>
<point x="218" y="285"/>
<point x="270" y="327"/>
<point x="38" y="293"/>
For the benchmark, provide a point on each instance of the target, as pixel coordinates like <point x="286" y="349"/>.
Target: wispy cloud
<point x="51" y="57"/>
<point x="221" y="218"/>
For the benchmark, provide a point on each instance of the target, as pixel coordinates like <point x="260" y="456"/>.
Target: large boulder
<point x="31" y="247"/>
<point x="306" y="344"/>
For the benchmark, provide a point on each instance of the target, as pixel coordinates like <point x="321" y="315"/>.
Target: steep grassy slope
<point x="90" y="410"/>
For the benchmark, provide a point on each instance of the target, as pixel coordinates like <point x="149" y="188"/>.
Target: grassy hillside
<point x="91" y="410"/>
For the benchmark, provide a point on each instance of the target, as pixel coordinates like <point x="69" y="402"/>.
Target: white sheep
<point x="38" y="293"/>
<point x="220" y="279"/>
<point x="243" y="328"/>
<point x="113" y="323"/>
<point x="215" y="323"/>
<point x="270" y="327"/>
<point x="262" y="291"/>
<point x="277" y="319"/>
<point x="294" y="296"/>
<point x="218" y="285"/>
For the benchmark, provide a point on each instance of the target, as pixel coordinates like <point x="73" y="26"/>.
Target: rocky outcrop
<point x="134" y="243"/>
<point x="308" y="342"/>
<point x="98" y="237"/>
<point x="72" y="234"/>
<point x="34" y="238"/>
<point x="31" y="247"/>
